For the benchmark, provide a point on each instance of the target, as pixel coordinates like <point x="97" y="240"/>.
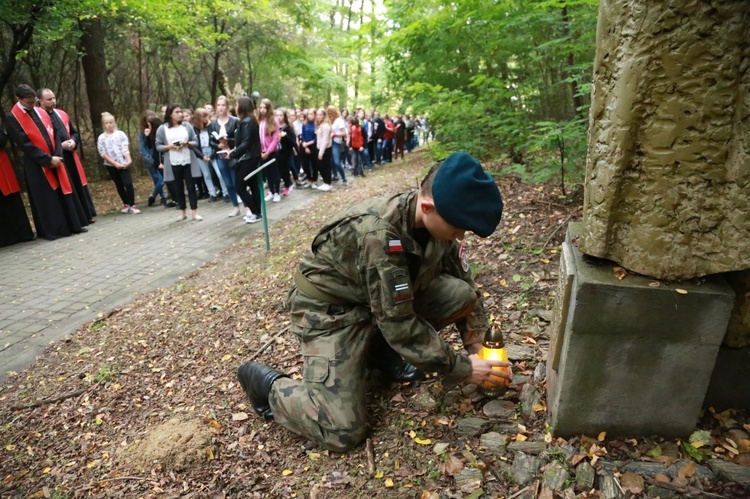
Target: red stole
<point x="57" y="177"/>
<point x="66" y="121"/>
<point x="8" y="180"/>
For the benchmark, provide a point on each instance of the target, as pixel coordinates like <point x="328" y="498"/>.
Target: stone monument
<point x="667" y="195"/>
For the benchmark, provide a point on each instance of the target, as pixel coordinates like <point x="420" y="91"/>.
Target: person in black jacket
<point x="287" y="151"/>
<point x="221" y="138"/>
<point x="247" y="154"/>
<point x="377" y="136"/>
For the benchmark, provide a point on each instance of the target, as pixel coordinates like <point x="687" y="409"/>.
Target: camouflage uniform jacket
<point x="367" y="256"/>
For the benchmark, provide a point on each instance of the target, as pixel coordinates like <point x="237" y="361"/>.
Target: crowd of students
<point x="206" y="153"/>
<point x="307" y="148"/>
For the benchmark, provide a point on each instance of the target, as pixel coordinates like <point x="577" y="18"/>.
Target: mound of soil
<point x="175" y="445"/>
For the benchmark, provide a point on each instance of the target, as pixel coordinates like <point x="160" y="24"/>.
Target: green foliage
<point x="499" y="78"/>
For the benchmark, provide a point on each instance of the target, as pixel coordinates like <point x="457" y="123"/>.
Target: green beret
<point x="466" y="196"/>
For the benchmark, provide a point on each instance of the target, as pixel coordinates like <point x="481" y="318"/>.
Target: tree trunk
<point x="20" y="41"/>
<point x="95" y="72"/>
<point x="577" y="100"/>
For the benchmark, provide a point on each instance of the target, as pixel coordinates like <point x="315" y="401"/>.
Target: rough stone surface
<point x="645" y="468"/>
<point x="529" y="397"/>
<point x="730" y="471"/>
<point x="424" y="401"/>
<point x="471" y="427"/>
<point x="609" y="487"/>
<point x="738" y="331"/>
<point x="700" y="471"/>
<point x="525" y="468"/>
<point x="499" y="409"/>
<point x="494" y="441"/>
<point x="527" y="447"/>
<point x="555" y="476"/>
<point x="619" y="336"/>
<point x="520" y="352"/>
<point x="468" y="480"/>
<point x="585" y="475"/>
<point x="668" y="163"/>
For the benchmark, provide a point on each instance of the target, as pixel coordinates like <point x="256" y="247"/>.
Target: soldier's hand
<point x="482" y="371"/>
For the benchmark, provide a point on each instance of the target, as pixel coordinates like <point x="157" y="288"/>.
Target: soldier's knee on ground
<point x="343" y="440"/>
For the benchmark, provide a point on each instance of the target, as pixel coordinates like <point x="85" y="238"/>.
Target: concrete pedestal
<point x="628" y="356"/>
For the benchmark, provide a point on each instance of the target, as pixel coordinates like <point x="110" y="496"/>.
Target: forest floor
<point x="145" y="402"/>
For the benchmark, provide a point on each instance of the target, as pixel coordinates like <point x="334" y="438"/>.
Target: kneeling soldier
<point x="382" y="278"/>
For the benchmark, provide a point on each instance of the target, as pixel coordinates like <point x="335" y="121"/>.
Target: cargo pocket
<point x="315" y="369"/>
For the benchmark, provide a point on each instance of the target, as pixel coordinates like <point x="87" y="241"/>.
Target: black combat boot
<point x="256" y="379"/>
<point x="386" y="360"/>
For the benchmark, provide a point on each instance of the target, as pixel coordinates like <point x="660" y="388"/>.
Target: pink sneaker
<point x="286" y="191"/>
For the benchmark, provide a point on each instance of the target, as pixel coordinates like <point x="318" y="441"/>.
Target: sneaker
<point x="269" y="196"/>
<point x="171" y="204"/>
<point x="151" y="200"/>
<point x="234" y="212"/>
<point x="253" y="218"/>
<point x="291" y="188"/>
<point x="212" y="199"/>
<point x="325" y="187"/>
<point x="164" y="201"/>
<point x="335" y="179"/>
<point x="286" y="191"/>
<point x="125" y="209"/>
<point x="134" y="210"/>
<point x="197" y="218"/>
<point x="302" y="184"/>
<point x="276" y="198"/>
<point x="345" y="183"/>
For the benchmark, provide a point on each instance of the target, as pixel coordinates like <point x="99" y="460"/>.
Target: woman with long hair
<point x="221" y="137"/>
<point x="338" y="135"/>
<point x="175" y="141"/>
<point x="269" y="145"/>
<point x="287" y="151"/>
<point x="201" y="123"/>
<point x="247" y="154"/>
<point x="308" y="149"/>
<point x="324" y="141"/>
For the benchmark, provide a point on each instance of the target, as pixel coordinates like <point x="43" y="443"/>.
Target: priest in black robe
<point x="69" y="139"/>
<point x="15" y="226"/>
<point x="52" y="199"/>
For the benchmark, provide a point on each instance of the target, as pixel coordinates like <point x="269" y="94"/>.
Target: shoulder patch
<point x="394" y="246"/>
<point x="462" y="258"/>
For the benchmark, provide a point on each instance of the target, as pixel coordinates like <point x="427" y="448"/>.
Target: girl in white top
<point x="113" y="147"/>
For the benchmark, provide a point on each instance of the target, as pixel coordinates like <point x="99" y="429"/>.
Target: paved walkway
<point x="49" y="288"/>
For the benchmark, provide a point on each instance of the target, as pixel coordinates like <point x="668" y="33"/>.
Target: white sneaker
<point x="269" y="196"/>
<point x="234" y="212"/>
<point x="325" y="187"/>
<point x="291" y="188"/>
<point x="276" y="198"/>
<point x="253" y="219"/>
<point x="134" y="210"/>
<point x="125" y="209"/>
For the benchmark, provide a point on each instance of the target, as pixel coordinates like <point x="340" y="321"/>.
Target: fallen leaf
<point x="379" y="474"/>
<point x="631" y="481"/>
<point x="661" y="477"/>
<point x="388" y="483"/>
<point x="654" y="284"/>
<point x="286" y="472"/>
<point x="520" y="438"/>
<point x="687" y="471"/>
<point x="239" y="416"/>
<point x="602" y="436"/>
<point x="681" y="291"/>
<point x="423" y="441"/>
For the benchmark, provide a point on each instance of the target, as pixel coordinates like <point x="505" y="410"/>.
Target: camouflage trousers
<point x="328" y="404"/>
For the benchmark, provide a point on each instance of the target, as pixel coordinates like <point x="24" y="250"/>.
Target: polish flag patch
<point x="394" y="246"/>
